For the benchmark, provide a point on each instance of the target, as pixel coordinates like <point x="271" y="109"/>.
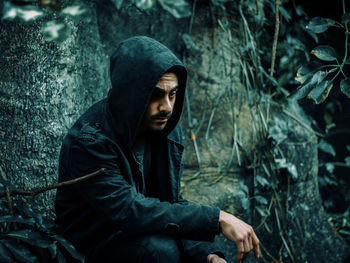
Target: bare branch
<point x="50" y="187"/>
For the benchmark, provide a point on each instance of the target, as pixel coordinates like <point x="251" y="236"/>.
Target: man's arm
<point x="129" y="212"/>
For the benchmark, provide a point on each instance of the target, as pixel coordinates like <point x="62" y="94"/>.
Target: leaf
<point x="291" y="168"/>
<point x="304" y="206"/>
<point x="284" y="13"/>
<point x="20" y="252"/>
<point x="245" y="202"/>
<point x="178" y="8"/>
<point x="344" y="232"/>
<point x="74" y="10"/>
<point x="321" y="91"/>
<point x="260" y="199"/>
<point x="330" y="167"/>
<point x="345" y="87"/>
<point x="243" y="187"/>
<point x="306" y="71"/>
<point x="145" y="4"/>
<point x="325" y="53"/>
<point x="326" y="147"/>
<point x="262" y="181"/>
<point x="69" y="247"/>
<point x="15" y="219"/>
<point x="347" y="161"/>
<point x="118" y="3"/>
<point x="346" y="18"/>
<point x="268" y="229"/>
<point x="32" y="238"/>
<point x="52" y="30"/>
<point x="278" y="130"/>
<point x="319" y="24"/>
<point x="189" y="43"/>
<point x="261" y="211"/>
<point x="5" y="255"/>
<point x="309" y="85"/>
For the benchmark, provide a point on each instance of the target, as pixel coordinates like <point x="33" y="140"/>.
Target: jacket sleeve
<point x="127" y="211"/>
<point x="198" y="251"/>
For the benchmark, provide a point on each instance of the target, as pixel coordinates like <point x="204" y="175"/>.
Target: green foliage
<point x="332" y="71"/>
<point x="26" y="237"/>
<point x="319" y="24"/>
<point x="177" y="8"/>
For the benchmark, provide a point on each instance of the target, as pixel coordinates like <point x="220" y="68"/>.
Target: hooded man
<point x="134" y="212"/>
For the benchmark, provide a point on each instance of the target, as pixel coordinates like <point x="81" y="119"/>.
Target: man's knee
<point x="161" y="248"/>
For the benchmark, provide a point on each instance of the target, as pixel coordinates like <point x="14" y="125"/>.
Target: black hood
<point x="136" y="67"/>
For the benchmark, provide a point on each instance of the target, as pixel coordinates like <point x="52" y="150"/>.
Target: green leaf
<point x="326" y="147"/>
<point x="245" y="203"/>
<point x="268" y="229"/>
<point x="118" y="3"/>
<point x="178" y="8"/>
<point x="74" y="10"/>
<point x="325" y="53"/>
<point x="346" y="18"/>
<point x="20" y="252"/>
<point x="243" y="187"/>
<point x="33" y="238"/>
<point x="319" y="24"/>
<point x="304" y="206"/>
<point x="260" y="199"/>
<point x="5" y="255"/>
<point x="347" y="161"/>
<point x="330" y="167"/>
<point x="145" y="4"/>
<point x="305" y="72"/>
<point x="189" y="43"/>
<point x="344" y="232"/>
<point x="261" y="211"/>
<point x="291" y="168"/>
<point x="262" y="181"/>
<point x="321" y="91"/>
<point x="304" y="90"/>
<point x="69" y="247"/>
<point x="345" y="87"/>
<point x="17" y="219"/>
<point x="284" y="13"/>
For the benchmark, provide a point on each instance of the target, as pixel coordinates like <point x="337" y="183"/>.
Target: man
<point x="134" y="212"/>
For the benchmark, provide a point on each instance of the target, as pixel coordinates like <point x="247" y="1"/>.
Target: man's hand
<point x="241" y="233"/>
<point x="213" y="258"/>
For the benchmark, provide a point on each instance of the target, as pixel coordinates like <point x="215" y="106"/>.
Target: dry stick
<point x="275" y="39"/>
<point x="50" y="187"/>
<point x="8" y="197"/>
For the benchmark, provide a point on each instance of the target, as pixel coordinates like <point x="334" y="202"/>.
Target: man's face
<point x="161" y="104"/>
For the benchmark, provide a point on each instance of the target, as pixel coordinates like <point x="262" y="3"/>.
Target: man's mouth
<point x="161" y="119"/>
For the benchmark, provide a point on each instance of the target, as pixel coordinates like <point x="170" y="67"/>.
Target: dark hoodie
<point x="112" y="204"/>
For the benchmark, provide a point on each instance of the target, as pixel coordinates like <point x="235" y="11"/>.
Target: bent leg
<point x="152" y="248"/>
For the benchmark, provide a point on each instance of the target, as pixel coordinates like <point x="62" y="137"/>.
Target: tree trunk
<point x="45" y="86"/>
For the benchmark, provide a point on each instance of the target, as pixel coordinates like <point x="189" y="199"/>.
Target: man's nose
<point x="165" y="105"/>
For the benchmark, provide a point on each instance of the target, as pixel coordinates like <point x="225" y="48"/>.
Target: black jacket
<point x="112" y="204"/>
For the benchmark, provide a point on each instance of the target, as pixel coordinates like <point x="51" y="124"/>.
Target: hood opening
<point x="136" y="67"/>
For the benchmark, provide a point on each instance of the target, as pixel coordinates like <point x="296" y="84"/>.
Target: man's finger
<point x="246" y="245"/>
<point x="240" y="252"/>
<point x="250" y="240"/>
<point x="255" y="241"/>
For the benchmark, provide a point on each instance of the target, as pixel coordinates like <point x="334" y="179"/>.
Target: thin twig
<point x="275" y="37"/>
<point x="50" y="187"/>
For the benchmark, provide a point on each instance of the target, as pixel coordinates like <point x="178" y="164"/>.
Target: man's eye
<point x="172" y="94"/>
